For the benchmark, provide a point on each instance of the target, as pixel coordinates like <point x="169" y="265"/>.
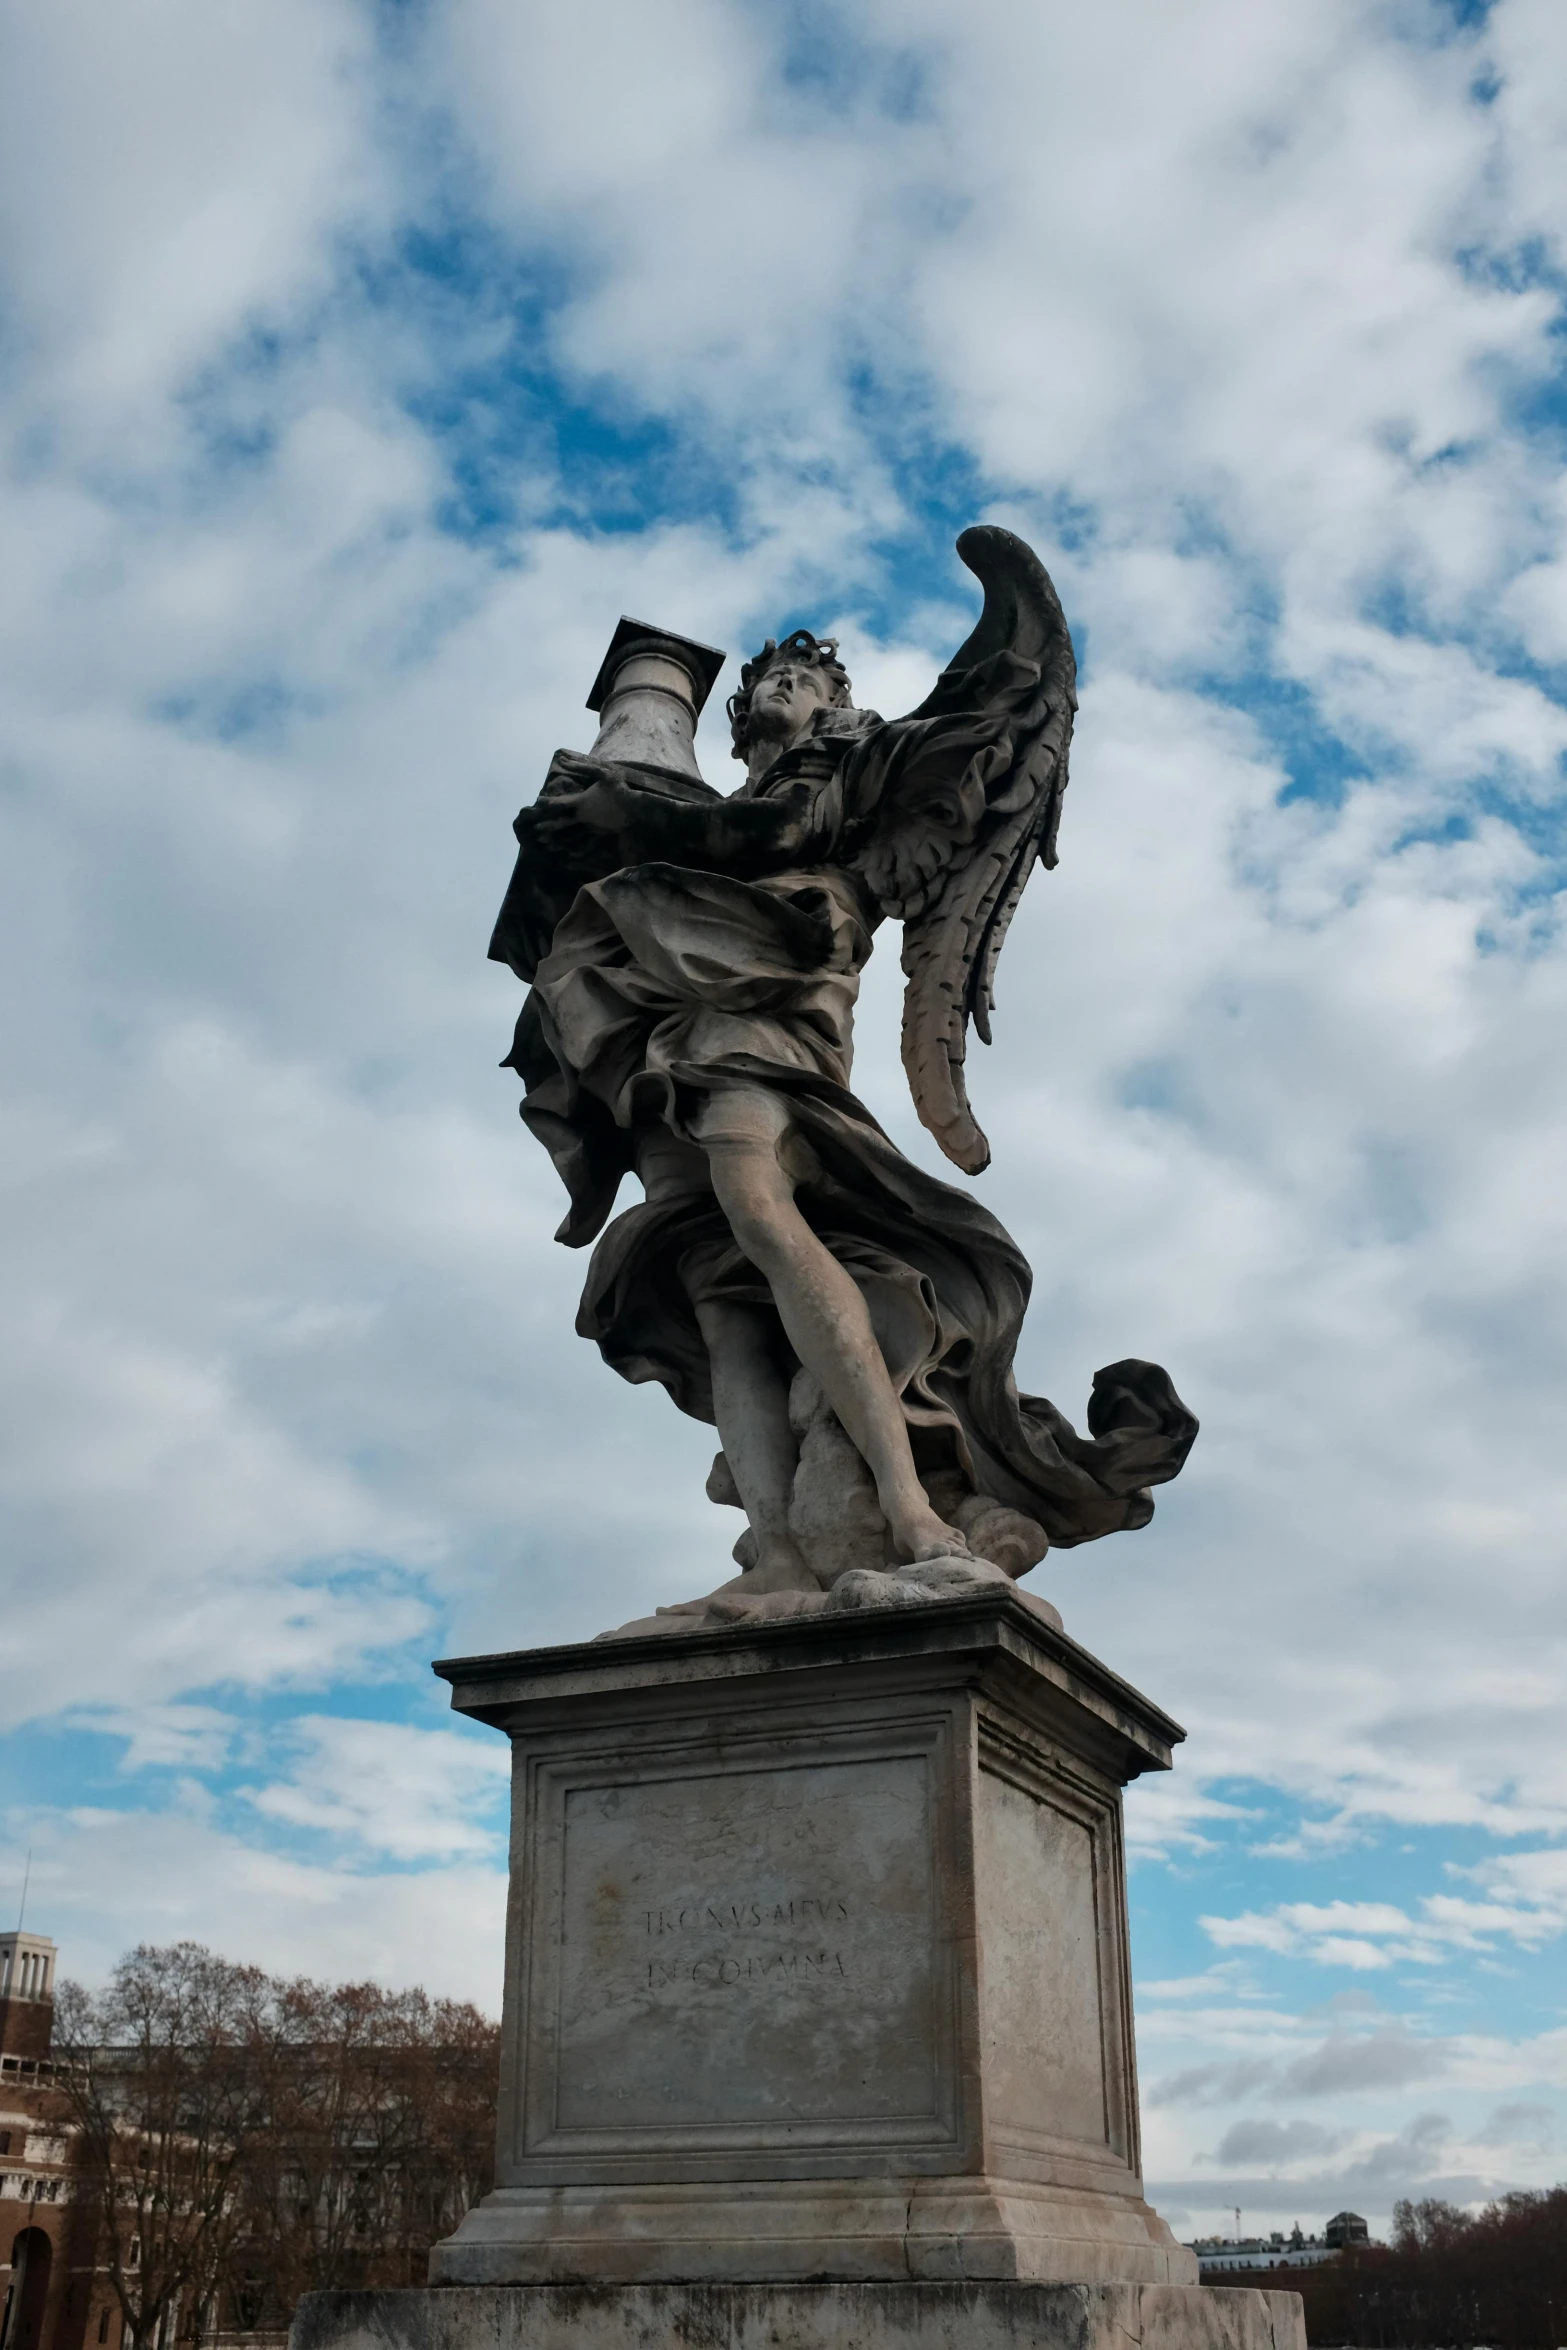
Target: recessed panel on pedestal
<point x="741" y="1950"/>
<point x="1049" y="1975"/>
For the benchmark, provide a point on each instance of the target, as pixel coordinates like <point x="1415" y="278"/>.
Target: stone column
<point x="649" y="694"/>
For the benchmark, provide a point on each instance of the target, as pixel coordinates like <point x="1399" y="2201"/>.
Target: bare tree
<point x="161" y="2074"/>
<point x="247" y="2140"/>
<point x="1450" y="2278"/>
<point x="381" y="2119"/>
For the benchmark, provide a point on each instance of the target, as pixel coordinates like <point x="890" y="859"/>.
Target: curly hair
<point x="811" y="652"/>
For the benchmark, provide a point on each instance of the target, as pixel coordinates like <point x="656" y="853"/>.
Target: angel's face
<point x="786" y="698"/>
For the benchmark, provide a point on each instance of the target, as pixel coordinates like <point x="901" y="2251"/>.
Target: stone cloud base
<point x="804" y="2317"/>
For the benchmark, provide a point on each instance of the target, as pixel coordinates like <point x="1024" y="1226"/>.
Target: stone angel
<point x="847" y="1321"/>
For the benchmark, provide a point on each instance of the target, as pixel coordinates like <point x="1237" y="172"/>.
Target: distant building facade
<point x="1219" y="2256"/>
<point x="376" y="2148"/>
<point x="53" y="2294"/>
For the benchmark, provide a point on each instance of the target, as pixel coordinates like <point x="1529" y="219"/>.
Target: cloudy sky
<point x="359" y="365"/>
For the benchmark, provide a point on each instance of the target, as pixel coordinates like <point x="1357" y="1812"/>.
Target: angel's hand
<point x="578" y="821"/>
<point x="603" y="805"/>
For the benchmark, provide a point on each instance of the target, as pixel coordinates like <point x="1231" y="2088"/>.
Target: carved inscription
<point x="740" y="1917"/>
<point x="779" y="1966"/>
<point x="803" y="1992"/>
<point x="721" y="1968"/>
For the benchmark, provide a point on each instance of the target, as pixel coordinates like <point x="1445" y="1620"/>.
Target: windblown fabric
<point x="667" y="983"/>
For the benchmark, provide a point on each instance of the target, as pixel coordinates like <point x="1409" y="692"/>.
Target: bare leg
<point x="824" y="1316"/>
<point x="751" y="1405"/>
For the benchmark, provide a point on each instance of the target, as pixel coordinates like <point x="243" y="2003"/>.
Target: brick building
<point x="54" y="2295"/>
<point x="330" y="2138"/>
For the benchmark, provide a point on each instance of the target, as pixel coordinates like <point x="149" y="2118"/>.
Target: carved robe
<point x="720" y="944"/>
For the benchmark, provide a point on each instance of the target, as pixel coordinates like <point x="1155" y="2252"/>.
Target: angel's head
<point x="784" y="690"/>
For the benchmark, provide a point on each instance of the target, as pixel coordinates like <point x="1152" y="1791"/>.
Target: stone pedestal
<point x="818" y="2028"/>
<point x="817" y="1958"/>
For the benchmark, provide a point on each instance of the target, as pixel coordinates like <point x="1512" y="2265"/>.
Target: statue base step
<point x="866" y="2231"/>
<point x="970" y="2316"/>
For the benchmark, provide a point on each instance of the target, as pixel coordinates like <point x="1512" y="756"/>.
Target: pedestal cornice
<point x="995" y="1634"/>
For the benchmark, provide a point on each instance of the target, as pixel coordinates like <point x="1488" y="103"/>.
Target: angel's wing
<point x="972" y="796"/>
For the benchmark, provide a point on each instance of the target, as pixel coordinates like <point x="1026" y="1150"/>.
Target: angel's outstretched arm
<point x="593" y="817"/>
<point x="637" y="821"/>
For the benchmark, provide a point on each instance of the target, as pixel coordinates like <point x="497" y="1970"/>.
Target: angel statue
<point x="846" y="1321"/>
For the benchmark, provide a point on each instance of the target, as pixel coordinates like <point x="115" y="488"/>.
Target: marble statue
<point x="846" y="1321"/>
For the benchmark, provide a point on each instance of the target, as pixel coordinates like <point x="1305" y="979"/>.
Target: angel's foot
<point x="780" y="1567"/>
<point x="767" y="1606"/>
<point x="922" y="1535"/>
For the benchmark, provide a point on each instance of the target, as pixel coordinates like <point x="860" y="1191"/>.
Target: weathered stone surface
<point x="882" y="2229"/>
<point x="649" y="694"/>
<point x="817" y="1958"/>
<point x="781" y="1917"/>
<point x="848" y="1323"/>
<point x="900" y="2316"/>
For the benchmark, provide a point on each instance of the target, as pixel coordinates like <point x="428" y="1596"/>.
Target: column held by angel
<point x="846" y="1321"/>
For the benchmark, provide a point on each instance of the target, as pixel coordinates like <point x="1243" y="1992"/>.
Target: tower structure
<point x="27" y="1964"/>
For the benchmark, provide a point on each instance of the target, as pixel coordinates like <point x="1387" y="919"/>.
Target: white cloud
<point x="172" y="1876"/>
<point x="1226" y="309"/>
<point x="171" y="178"/>
<point x="165" y="1737"/>
<point x="1526" y="2125"/>
<point x="1353" y="2064"/>
<point x="1365" y="1935"/>
<point x="410" y="1794"/>
<point x="1224" y="2126"/>
<point x="1169" y="1813"/>
<point x="182" y="1532"/>
<point x="1272" y="2144"/>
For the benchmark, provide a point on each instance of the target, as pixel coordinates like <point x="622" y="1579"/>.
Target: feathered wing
<point x="971" y="797"/>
